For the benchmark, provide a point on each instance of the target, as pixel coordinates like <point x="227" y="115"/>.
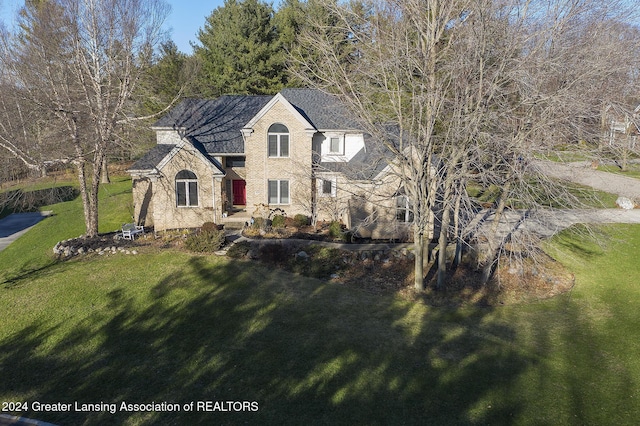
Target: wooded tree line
<point x="459" y="92"/>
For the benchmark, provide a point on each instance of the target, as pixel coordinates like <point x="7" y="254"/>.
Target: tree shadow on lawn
<point x="304" y="350"/>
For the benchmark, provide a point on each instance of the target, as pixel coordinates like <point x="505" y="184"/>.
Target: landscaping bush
<point x="320" y="262"/>
<point x="278" y="221"/>
<point x="239" y="250"/>
<point x="335" y="230"/>
<point x="205" y="240"/>
<point x="300" y="220"/>
<point x="210" y="226"/>
<point x="258" y="223"/>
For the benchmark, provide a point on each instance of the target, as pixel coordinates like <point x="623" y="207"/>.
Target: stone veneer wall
<point x="166" y="213"/>
<point x="143" y="200"/>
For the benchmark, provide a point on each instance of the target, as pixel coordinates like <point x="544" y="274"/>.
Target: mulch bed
<point x="534" y="281"/>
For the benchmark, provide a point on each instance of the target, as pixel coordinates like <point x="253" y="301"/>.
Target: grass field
<point x="168" y="326"/>
<point x="633" y="170"/>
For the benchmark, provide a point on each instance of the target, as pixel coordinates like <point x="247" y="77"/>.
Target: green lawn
<point x="33" y="250"/>
<point x="633" y="170"/>
<point x="170" y="326"/>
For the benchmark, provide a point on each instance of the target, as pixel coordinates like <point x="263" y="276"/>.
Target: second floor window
<point x="278" y="136"/>
<point x="335" y="145"/>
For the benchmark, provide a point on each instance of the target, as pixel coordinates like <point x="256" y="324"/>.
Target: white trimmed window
<point x="186" y="189"/>
<point x="278" y="141"/>
<point x="327" y="187"/>
<point x="278" y="192"/>
<point x="336" y="145"/>
<point x="404" y="210"/>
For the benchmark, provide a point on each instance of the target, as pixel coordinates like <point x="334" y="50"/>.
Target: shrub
<point x="239" y="250"/>
<point x="277" y="221"/>
<point x="209" y="226"/>
<point x="321" y="262"/>
<point x="258" y="223"/>
<point x="335" y="229"/>
<point x="300" y="220"/>
<point x="205" y="241"/>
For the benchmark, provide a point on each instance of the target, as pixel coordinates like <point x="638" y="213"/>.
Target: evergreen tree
<point x="165" y="81"/>
<point x="240" y="50"/>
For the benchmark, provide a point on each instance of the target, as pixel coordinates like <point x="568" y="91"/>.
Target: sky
<point x="186" y="18"/>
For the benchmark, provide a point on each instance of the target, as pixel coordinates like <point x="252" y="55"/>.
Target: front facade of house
<point x="298" y="151"/>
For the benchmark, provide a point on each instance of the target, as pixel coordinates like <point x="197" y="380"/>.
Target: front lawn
<point x="33" y="250"/>
<point x="168" y="326"/>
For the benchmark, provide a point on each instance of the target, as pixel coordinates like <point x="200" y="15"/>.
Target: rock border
<point x="101" y="245"/>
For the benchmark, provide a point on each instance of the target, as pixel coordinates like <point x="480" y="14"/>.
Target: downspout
<point x="213" y="200"/>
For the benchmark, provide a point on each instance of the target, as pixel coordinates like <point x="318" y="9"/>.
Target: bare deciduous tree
<point x="470" y="90"/>
<point x="76" y="63"/>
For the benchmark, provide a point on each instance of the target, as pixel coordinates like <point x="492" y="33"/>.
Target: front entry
<point x="239" y="192"/>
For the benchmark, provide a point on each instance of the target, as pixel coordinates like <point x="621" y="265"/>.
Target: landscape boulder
<point x="625" y="203"/>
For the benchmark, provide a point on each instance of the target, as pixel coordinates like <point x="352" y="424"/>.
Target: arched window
<point x="186" y="189"/>
<point x="278" y="140"/>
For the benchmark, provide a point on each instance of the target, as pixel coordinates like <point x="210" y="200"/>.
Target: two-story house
<point x="300" y="150"/>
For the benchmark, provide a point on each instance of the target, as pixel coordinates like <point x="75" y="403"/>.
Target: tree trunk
<point x="84" y="193"/>
<point x="492" y="251"/>
<point x="104" y="176"/>
<point x="456" y="225"/>
<point x="418" y="243"/>
<point x="443" y="241"/>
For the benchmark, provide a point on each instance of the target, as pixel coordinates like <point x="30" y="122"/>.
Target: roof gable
<point x="152" y="158"/>
<point x="280" y="99"/>
<point x="217" y="124"/>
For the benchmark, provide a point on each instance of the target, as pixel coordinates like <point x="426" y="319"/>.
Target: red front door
<point x="239" y="192"/>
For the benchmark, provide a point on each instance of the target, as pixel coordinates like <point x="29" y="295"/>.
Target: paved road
<point x="582" y="173"/>
<point x="13" y="226"/>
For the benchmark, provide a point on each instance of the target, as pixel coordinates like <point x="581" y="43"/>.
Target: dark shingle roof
<point x="215" y="123"/>
<point x="152" y="158"/>
<point x="214" y="127"/>
<point x="322" y="110"/>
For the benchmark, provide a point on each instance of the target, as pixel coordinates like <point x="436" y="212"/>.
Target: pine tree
<point x="240" y="51"/>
